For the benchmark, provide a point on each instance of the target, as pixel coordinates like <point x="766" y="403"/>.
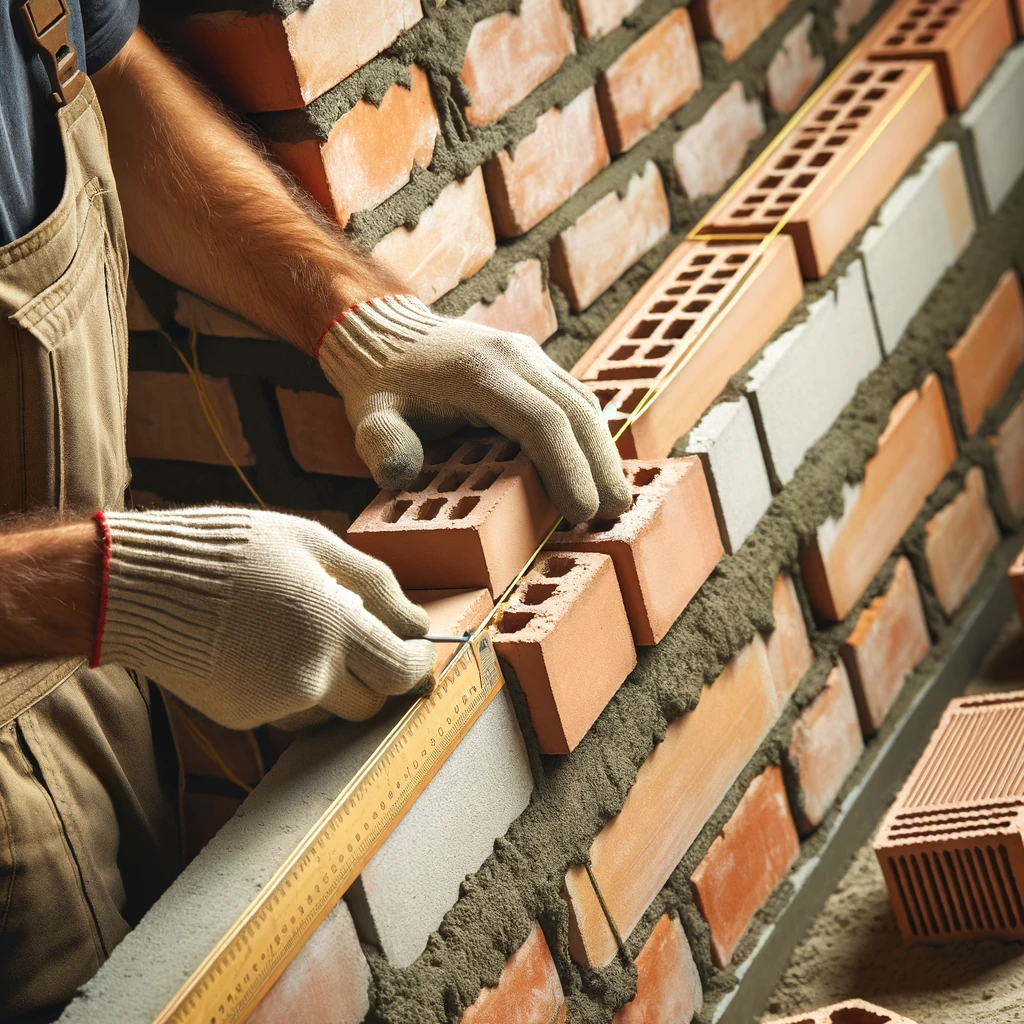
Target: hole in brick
<point x="628" y="372"/>
<point x="804" y="144"/>
<point x="677" y="290"/>
<point x="820" y="159"/>
<point x="476" y="454"/>
<point x="743" y="213"/>
<point x="857" y="1015"/>
<point x="677" y="329"/>
<point x="603" y="525"/>
<point x="663" y="307"/>
<point x="441" y="453"/>
<point x="844" y="96"/>
<point x="949" y="11"/>
<point x="658" y="351"/>
<point x="486" y="479"/>
<point x="605" y="395"/>
<point x="813" y="131"/>
<point x="514" y="622"/>
<point x="754" y="200"/>
<point x="907" y="26"/>
<point x="537" y="593"/>
<point x="463" y="507"/>
<point x="847" y="126"/>
<point x="895" y="40"/>
<point x="935" y="26"/>
<point x="645" y="328"/>
<point x="697" y="306"/>
<point x="786" y="163"/>
<point x="422" y="481"/>
<point x="803" y="180"/>
<point x="737" y="257"/>
<point x="778" y="211"/>
<point x="710" y="289"/>
<point x="396" y="510"/>
<point x="860" y="77"/>
<point x="874" y="94"/>
<point x="645" y="475"/>
<point x="789" y="197"/>
<point x="893" y="76"/>
<point x="429" y="509"/>
<point x="453" y="481"/>
<point x="506" y="451"/>
<point x="702" y="261"/>
<point x="559" y="566"/>
<point x="837" y="140"/>
<point x="772" y="181"/>
<point x="827" y="115"/>
<point x="860" y="111"/>
<point x="632" y="400"/>
<point x="724" y="273"/>
<point x="924" y="38"/>
<point x="627" y="351"/>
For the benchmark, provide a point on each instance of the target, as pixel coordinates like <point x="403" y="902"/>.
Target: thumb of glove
<point x="390" y="448"/>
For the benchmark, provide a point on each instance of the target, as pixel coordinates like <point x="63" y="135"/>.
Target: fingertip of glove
<point x="395" y="474"/>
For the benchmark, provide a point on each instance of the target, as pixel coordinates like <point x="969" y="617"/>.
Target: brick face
<point x="1008" y="449"/>
<point x="524" y="306"/>
<point x="734" y="23"/>
<point x="599" y="17"/>
<point x="319" y="435"/>
<point x="788" y="646"/>
<point x="794" y="68"/>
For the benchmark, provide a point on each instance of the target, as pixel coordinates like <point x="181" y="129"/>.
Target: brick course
<point x="1008" y="451"/>
<point x="524" y="307"/>
<point x="734" y="23"/>
<point x="794" y="69"/>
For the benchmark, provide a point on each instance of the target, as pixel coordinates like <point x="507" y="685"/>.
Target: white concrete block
<point x="922" y="228"/>
<point x="995" y="123"/>
<point x="726" y="440"/>
<point x="805" y="377"/>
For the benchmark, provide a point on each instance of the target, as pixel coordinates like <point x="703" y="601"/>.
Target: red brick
<point x="837" y="177"/>
<point x="788" y="646"/>
<point x="452" y="613"/>
<point x="552" y="163"/>
<point x="453" y="239"/>
<point x="165" y="420"/>
<point x="370" y="151"/>
<point x="599" y="17"/>
<point x="663" y="548"/>
<point x="848" y="14"/>
<point x="676" y="790"/>
<point x="590" y="255"/>
<point x="524" y="307"/>
<point x="711" y="152"/>
<point x="665" y="318"/>
<point x="510" y="54"/>
<point x="319" y="434"/>
<point x="964" y="39"/>
<point x="668" y="989"/>
<point x="528" y="991"/>
<point x="262" y="62"/>
<point x="987" y="355"/>
<point x="824" y="748"/>
<point x="958" y="540"/>
<point x="1008" y="450"/>
<point x="654" y="77"/>
<point x="886" y="645"/>
<point x="473" y="518"/>
<point x="734" y="23"/>
<point x="750" y="856"/>
<point x="914" y="452"/>
<point x="852" y="1011"/>
<point x="1017" y="584"/>
<point x="794" y="68"/>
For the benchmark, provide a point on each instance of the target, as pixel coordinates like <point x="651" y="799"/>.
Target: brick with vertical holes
<point x="826" y="165"/>
<point x="794" y="68"/>
<point x="566" y="622"/>
<point x="599" y="17"/>
<point x="319" y="434"/>
<point x="788" y="646"/>
<point x="654" y="77"/>
<point x="663" y="548"/>
<point x="964" y="39"/>
<point x="734" y="23"/>
<point x="524" y="306"/>
<point x="1008" y="450"/>
<point x="472" y="518"/>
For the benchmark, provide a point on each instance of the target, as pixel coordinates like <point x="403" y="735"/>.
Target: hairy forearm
<point x="203" y="207"/>
<point x="49" y="589"/>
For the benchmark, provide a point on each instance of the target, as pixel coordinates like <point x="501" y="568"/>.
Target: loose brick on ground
<point x="886" y="645"/>
<point x="849" y="1012"/>
<point x="676" y="790"/>
<point x="453" y="239"/>
<point x="710" y="153"/>
<point x="1008" y="450"/>
<point x="511" y="53"/>
<point x="751" y="855"/>
<point x="824" y="748"/>
<point x="794" y="69"/>
<point x="552" y="163"/>
<point x="205" y="318"/>
<point x="654" y="77"/>
<point x="734" y="23"/>
<point x="605" y="241"/>
<point x="319" y="434"/>
<point x="914" y="452"/>
<point x="599" y="17"/>
<point x="663" y="548"/>
<point x="452" y="613"/>
<point x="566" y="622"/>
<point x="524" y="307"/>
<point x="987" y="355"/>
<point x="788" y="646"/>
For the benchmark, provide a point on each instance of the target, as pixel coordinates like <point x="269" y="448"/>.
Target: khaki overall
<point x="88" y="829"/>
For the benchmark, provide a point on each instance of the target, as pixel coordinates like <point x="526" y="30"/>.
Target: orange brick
<point x="263" y="62"/>
<point x="827" y="166"/>
<point x="963" y="38"/>
<point x="824" y="748"/>
<point x="528" y="991"/>
<point x="510" y="54"/>
<point x="1017" y="584"/>
<point x="370" y="151"/>
<point x="599" y="17"/>
<point x="453" y="239"/>
<point x="794" y="68"/>
<point x="165" y="420"/>
<point x="654" y="77"/>
<point x="567" y="622"/>
<point x="788" y="646"/>
<point x="686" y="299"/>
<point x="663" y="548"/>
<point x="590" y="255"/>
<point x="668" y="989"/>
<point x="959" y="538"/>
<point x="852" y="1011"/>
<point x="989" y="352"/>
<point x="552" y="163"/>
<point x="676" y="790"/>
<point x="473" y="518"/>
<point x="734" y="23"/>
<point x="887" y="643"/>
<point x="914" y="452"/>
<point x="524" y="307"/>
<point x="1008" y="451"/>
<point x="848" y="14"/>
<point x="452" y="613"/>
<point x="750" y="856"/>
<point x="319" y="435"/>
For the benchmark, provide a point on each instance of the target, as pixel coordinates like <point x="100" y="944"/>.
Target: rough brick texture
<point x="1008" y="451"/>
<point x="851" y="1011"/>
<point x="599" y="17"/>
<point x="847" y="15"/>
<point x="319" y="434"/>
<point x="734" y="23"/>
<point x="524" y="306"/>
<point x="788" y="646"/>
<point x="794" y="69"/>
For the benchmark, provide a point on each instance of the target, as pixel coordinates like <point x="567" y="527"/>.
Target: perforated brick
<point x="852" y="1011"/>
<point x="842" y="159"/>
<point x="319" y="434"/>
<point x="566" y="622"/>
<point x="472" y="518"/>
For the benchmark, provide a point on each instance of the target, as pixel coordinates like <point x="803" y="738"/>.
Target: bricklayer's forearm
<point x="203" y="207"/>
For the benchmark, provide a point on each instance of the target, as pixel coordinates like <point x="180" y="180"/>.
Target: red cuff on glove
<point x="104" y="528"/>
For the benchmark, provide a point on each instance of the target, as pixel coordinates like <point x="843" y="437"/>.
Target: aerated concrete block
<point x="805" y="377"/>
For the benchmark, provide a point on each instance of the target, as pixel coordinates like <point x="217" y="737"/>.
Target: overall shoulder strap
<point x="46" y="22"/>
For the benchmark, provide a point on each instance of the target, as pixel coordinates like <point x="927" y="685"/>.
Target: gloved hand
<point x="254" y="617"/>
<point x="403" y="369"/>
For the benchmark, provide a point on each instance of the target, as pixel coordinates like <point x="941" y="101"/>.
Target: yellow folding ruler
<point x="229" y="983"/>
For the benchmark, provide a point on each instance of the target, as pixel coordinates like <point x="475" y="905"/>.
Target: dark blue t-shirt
<point x="31" y="157"/>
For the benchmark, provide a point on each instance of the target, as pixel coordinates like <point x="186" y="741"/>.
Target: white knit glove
<point x="403" y="370"/>
<point x="254" y="617"/>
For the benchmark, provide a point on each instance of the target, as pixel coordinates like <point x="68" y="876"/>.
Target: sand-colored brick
<point x="599" y="17"/>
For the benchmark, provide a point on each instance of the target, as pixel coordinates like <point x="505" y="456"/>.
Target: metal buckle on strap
<point x="46" y="22"/>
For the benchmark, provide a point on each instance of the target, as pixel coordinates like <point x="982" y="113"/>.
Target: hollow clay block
<point x="886" y="644"/>
<point x="472" y="518"/>
<point x="951" y="848"/>
<point x="566" y="635"/>
<point x="788" y="646"/>
<point x="663" y="548"/>
<point x="853" y="1011"/>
